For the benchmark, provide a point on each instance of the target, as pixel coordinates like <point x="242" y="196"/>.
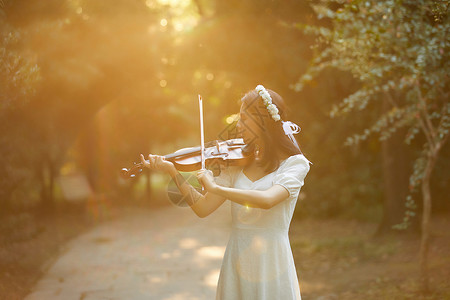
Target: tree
<point x="90" y="54"/>
<point x="19" y="77"/>
<point x="399" y="51"/>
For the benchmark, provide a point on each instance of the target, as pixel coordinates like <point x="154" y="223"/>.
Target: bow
<point x="290" y="129"/>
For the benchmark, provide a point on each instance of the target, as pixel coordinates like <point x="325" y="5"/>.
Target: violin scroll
<point x="132" y="172"/>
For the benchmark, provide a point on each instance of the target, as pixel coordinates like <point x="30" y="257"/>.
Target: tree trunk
<point x="46" y="176"/>
<point x="88" y="151"/>
<point x="396" y="170"/>
<point x="426" y="216"/>
<point x="51" y="184"/>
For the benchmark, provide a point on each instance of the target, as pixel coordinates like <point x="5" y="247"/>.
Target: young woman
<point x="258" y="261"/>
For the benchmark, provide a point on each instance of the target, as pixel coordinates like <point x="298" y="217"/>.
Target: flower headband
<point x="289" y="128"/>
<point x="272" y="108"/>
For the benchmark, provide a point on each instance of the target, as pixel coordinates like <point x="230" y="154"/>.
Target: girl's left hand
<point x="206" y="179"/>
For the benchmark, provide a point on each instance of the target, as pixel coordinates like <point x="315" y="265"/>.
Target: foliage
<point x="399" y="51"/>
<point x="19" y="77"/>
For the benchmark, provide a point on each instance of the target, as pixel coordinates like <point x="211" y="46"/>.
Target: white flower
<point x="273" y="110"/>
<point x="260" y="88"/>
<point x="266" y="95"/>
<point x="267" y="100"/>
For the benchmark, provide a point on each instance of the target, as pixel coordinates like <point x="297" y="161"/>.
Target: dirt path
<point x="163" y="254"/>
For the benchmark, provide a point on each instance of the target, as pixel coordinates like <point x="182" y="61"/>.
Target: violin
<point x="233" y="152"/>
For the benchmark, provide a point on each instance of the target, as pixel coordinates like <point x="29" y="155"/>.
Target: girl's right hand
<point x="157" y="163"/>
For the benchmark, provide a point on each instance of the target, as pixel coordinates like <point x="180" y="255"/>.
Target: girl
<point x="258" y="261"/>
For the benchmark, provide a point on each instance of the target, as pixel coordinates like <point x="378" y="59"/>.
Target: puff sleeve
<point x="227" y="176"/>
<point x="291" y="174"/>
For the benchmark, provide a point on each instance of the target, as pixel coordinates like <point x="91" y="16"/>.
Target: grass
<point x="340" y="259"/>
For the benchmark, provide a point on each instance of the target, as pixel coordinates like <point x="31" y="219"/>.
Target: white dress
<point x="258" y="261"/>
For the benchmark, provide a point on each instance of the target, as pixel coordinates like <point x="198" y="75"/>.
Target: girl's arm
<point x="252" y="198"/>
<point x="202" y="205"/>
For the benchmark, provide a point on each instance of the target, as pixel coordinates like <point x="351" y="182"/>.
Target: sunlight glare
<point x="188" y="243"/>
<point x="212" y="252"/>
<point x="182" y="3"/>
<point x="150" y="3"/>
<point x="179" y="26"/>
<point x="154" y="279"/>
<point x="232" y="118"/>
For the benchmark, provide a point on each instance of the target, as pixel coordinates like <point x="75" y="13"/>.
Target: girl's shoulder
<point x="297" y="159"/>
<point x="293" y="165"/>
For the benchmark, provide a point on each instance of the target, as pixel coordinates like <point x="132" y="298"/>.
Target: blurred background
<point x="88" y="85"/>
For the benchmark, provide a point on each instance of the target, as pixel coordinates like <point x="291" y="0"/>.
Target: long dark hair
<point x="273" y="137"/>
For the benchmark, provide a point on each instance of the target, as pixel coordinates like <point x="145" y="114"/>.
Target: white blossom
<point x="272" y="109"/>
<point x="267" y="100"/>
<point x="259" y="88"/>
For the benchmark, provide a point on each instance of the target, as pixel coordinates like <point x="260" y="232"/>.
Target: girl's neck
<point x="259" y="151"/>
